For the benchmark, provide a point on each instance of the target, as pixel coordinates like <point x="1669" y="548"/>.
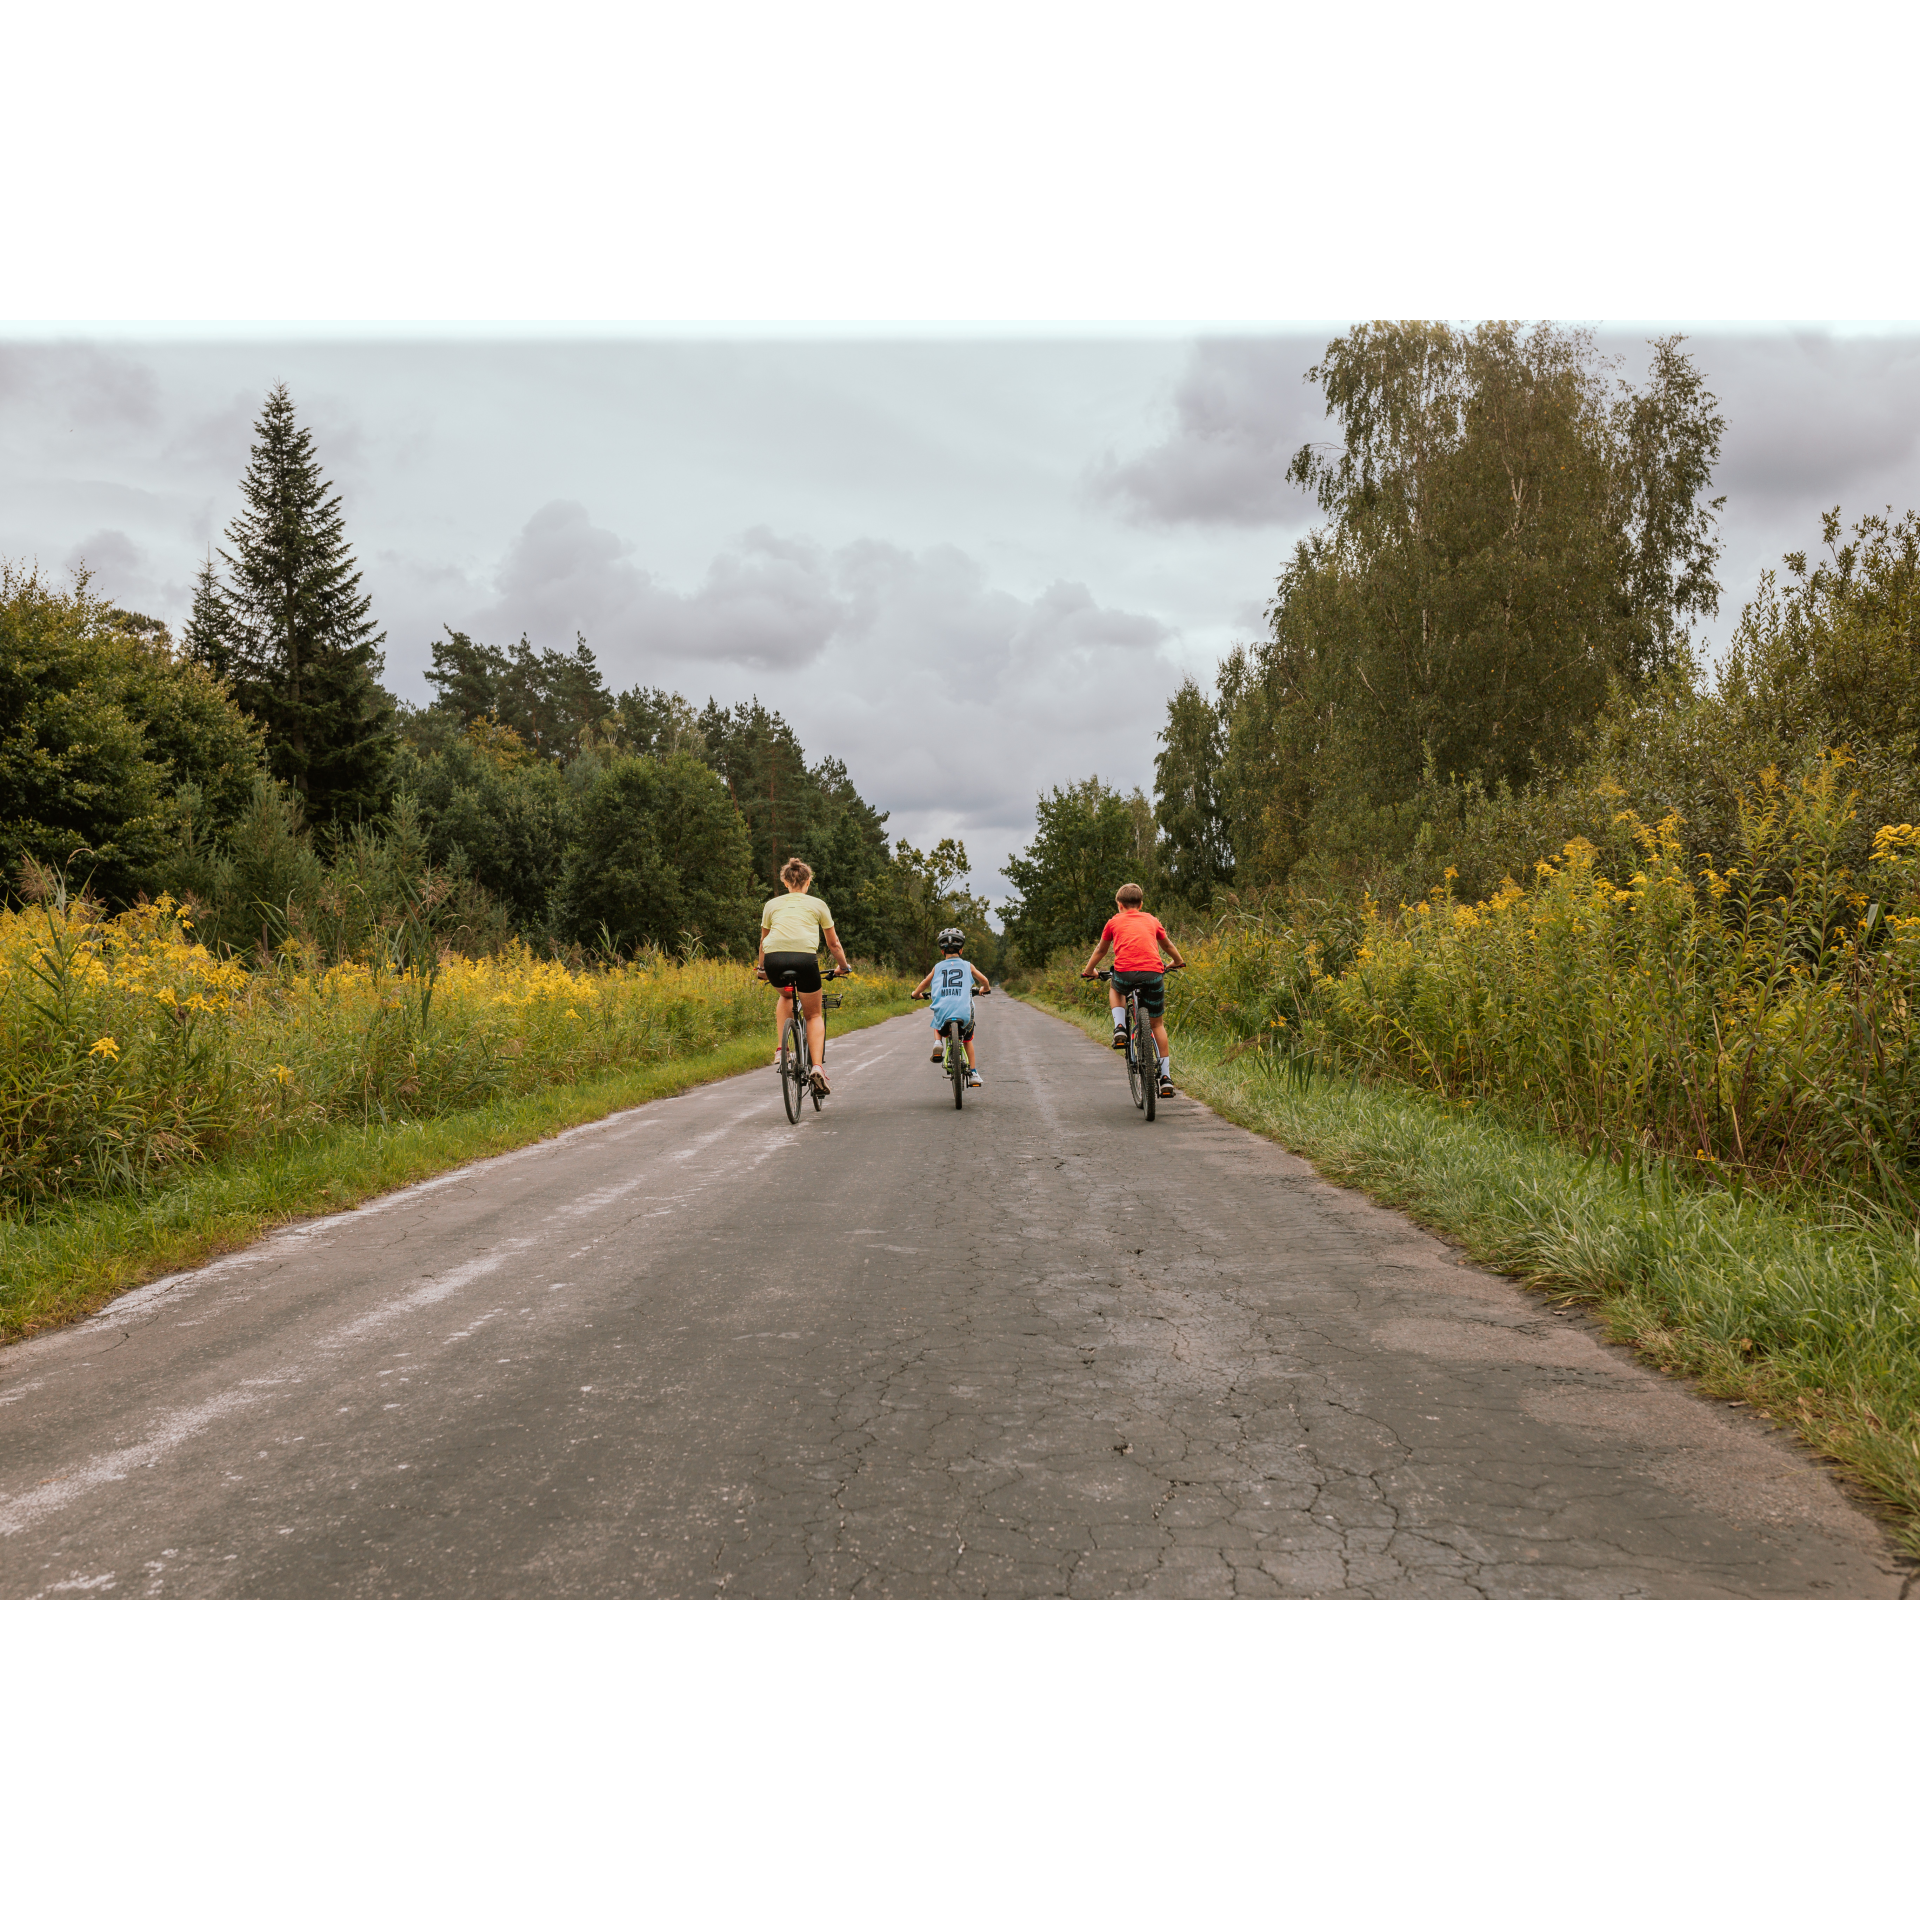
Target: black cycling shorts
<point x="804" y="965"/>
<point x="1151" y="987"/>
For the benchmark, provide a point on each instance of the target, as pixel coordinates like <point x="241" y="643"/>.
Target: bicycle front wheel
<point x="793" y="1069"/>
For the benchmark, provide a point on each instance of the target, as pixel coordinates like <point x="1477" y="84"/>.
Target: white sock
<point x="1166" y="1066"/>
<point x="1119" y="1018"/>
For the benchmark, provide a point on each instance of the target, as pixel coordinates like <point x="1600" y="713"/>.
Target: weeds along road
<point x="1037" y="1347"/>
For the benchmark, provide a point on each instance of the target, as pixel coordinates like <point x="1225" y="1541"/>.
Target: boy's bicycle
<point x="1143" y="1057"/>
<point x="796" y="1061"/>
<point x="954" y="1037"/>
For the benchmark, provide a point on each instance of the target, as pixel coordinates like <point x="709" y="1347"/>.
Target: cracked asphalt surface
<point x="1036" y="1347"/>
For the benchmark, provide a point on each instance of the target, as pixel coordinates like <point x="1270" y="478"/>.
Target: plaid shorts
<point x="1151" y="987"/>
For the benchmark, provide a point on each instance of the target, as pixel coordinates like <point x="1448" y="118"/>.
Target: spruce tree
<point x="293" y="632"/>
<point x="209" y="630"/>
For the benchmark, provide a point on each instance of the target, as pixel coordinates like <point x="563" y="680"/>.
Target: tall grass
<point x="129" y="1051"/>
<point x="1756" y="1024"/>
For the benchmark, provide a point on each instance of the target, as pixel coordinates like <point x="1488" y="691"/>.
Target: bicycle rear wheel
<point x="793" y="1069"/>
<point x="1136" y="1066"/>
<point x="1149" y="1057"/>
<point x="957" y="1061"/>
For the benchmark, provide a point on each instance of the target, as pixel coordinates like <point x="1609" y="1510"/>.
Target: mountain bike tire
<point x="1136" y="1073"/>
<point x="1149" y="1058"/>
<point x="793" y="1069"/>
<point x="957" y="1062"/>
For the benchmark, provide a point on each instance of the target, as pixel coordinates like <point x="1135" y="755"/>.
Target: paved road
<point x="1037" y="1347"/>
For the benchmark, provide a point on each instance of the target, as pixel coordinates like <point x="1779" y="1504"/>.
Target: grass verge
<point x="1813" y="1320"/>
<point x="70" y="1262"/>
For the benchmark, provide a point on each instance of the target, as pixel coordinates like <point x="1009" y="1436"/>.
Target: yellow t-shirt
<point x="793" y="923"/>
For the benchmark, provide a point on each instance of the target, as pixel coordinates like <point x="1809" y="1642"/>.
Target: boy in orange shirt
<point x="1136" y="938"/>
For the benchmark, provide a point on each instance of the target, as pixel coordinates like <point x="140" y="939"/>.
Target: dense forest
<point x="256" y="766"/>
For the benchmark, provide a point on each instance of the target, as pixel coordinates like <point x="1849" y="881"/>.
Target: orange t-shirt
<point x="1136" y="947"/>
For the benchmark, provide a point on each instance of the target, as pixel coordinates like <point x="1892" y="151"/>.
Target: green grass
<point x="69" y="1262"/>
<point x="1812" y="1318"/>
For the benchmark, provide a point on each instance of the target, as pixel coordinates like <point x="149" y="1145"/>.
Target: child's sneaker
<point x="1119" y="1039"/>
<point x="1165" y="1089"/>
<point x="973" y="1078"/>
<point x="938" y="1056"/>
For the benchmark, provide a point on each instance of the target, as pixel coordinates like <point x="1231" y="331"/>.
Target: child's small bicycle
<point x="954" y="1036"/>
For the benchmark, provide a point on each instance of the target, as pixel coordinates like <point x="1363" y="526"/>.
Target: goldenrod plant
<point x="128" y="1050"/>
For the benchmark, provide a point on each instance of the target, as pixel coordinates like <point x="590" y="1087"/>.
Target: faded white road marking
<point x="173" y="1430"/>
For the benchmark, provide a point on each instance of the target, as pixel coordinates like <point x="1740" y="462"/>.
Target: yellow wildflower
<point x="1896" y="842"/>
<point x="106" y="1045"/>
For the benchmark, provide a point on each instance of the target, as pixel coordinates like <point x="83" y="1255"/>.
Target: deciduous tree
<point x="659" y="854"/>
<point x="1511" y="529"/>
<point x="1086" y="845"/>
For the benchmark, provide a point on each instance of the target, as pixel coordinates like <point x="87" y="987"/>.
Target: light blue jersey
<point x="952" y="989"/>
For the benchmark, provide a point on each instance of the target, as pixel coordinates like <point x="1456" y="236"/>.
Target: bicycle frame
<point x="796" y="1061"/>
<point x="1143" y="1056"/>
<point x="953" y="1040"/>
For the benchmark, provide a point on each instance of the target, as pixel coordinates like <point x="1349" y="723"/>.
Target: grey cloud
<point x="1241" y="411"/>
<point x="125" y="573"/>
<point x="780" y="603"/>
<point x="81" y="387"/>
<point x="956" y="699"/>
<point x="1812" y="418"/>
<point x="768" y="603"/>
<point x="1809" y="417"/>
<point x="952" y="698"/>
<point x="561" y="573"/>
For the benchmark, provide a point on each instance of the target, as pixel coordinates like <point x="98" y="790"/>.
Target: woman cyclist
<point x="791" y="925"/>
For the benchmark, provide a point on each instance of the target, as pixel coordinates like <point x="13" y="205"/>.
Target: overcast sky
<point x="1003" y="329"/>
<point x="970" y="570"/>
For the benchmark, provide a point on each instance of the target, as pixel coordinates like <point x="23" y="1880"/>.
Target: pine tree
<point x="293" y="632"/>
<point x="209" y="630"/>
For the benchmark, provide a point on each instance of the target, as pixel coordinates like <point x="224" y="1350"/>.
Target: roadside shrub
<point x="128" y="1049"/>
<point x="1756" y="1021"/>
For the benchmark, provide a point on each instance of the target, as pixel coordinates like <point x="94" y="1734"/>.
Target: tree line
<point x="1490" y="648"/>
<point x="258" y="766"/>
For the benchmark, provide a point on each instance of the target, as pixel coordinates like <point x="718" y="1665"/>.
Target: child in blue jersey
<point x="951" y="988"/>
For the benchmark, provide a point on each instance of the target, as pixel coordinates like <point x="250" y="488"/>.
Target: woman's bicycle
<point x="1143" y="1057"/>
<point x="796" y="1059"/>
<point x="954" y="1037"/>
